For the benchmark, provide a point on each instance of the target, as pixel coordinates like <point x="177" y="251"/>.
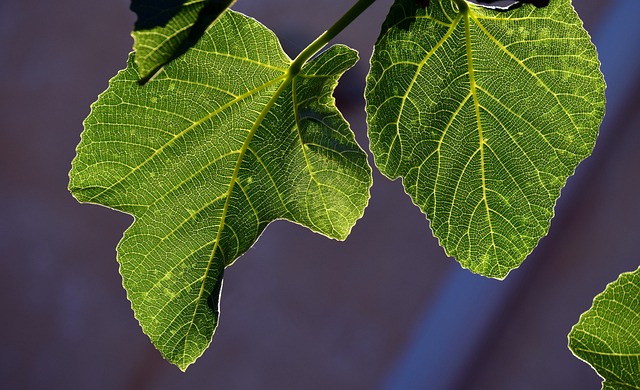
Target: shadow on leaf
<point x="157" y="14"/>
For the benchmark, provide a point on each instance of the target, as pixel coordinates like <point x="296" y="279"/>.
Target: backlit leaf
<point x="607" y="337"/>
<point x="204" y="156"/>
<point x="484" y="114"/>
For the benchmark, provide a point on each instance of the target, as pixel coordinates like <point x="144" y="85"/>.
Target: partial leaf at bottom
<point x="607" y="337"/>
<point x="216" y="146"/>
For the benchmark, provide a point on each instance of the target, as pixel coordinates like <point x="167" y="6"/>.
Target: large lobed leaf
<point x="484" y="115"/>
<point x="220" y="143"/>
<point x="607" y="337"/>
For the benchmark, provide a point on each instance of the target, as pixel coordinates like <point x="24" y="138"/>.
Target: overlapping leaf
<point x="484" y="115"/>
<point x="607" y="336"/>
<point x="220" y="143"/>
<point x="165" y="29"/>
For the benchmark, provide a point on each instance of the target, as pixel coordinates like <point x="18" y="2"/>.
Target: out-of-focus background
<point x="384" y="310"/>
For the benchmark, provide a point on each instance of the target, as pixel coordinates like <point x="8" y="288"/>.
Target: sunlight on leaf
<point x="484" y="115"/>
<point x="205" y="155"/>
<point x="607" y="337"/>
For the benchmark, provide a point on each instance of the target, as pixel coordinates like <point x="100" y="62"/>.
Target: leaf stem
<point x="328" y="35"/>
<point x="463" y="7"/>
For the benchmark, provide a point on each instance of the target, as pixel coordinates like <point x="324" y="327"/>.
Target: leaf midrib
<point x="481" y="140"/>
<point x="285" y="81"/>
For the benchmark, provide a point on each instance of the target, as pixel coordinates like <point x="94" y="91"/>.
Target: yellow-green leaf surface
<point x="607" y="337"/>
<point x="484" y="114"/>
<point x="165" y="29"/>
<point x="220" y="143"/>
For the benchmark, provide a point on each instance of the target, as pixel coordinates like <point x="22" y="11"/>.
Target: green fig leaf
<point x="217" y="145"/>
<point x="484" y="115"/>
<point x="607" y="337"/>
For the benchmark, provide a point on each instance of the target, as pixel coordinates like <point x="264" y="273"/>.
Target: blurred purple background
<point x="385" y="309"/>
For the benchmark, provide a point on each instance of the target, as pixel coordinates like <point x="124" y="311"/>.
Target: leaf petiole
<point x="462" y="6"/>
<point x="315" y="46"/>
